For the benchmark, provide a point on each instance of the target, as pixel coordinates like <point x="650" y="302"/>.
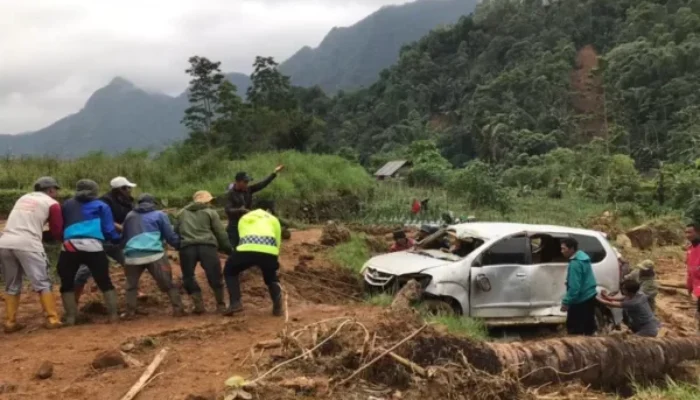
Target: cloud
<point x="55" y="54"/>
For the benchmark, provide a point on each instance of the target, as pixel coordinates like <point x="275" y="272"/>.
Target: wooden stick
<point x="131" y="360"/>
<point x="409" y="364"/>
<point x="672" y="284"/>
<point x="145" y="377"/>
<point x="392" y="348"/>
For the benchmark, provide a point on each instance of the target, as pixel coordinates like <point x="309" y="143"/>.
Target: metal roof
<point x="390" y="168"/>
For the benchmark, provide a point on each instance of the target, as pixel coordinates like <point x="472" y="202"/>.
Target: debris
<point x="376" y="245"/>
<point x="408" y="294"/>
<point x="334" y="233"/>
<point x="204" y="396"/>
<point x="269" y="344"/>
<point x="642" y="237"/>
<point x="623" y="241"/>
<point x="108" y="359"/>
<point x="672" y="284"/>
<point x="304" y="384"/>
<point x="127" y="347"/>
<point x="45" y="370"/>
<point x="146" y="376"/>
<point x="7" y="388"/>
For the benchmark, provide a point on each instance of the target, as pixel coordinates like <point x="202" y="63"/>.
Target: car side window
<point x="508" y="251"/>
<point x="591" y="246"/>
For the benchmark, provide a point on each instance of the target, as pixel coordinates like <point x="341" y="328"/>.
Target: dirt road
<point x="204" y="350"/>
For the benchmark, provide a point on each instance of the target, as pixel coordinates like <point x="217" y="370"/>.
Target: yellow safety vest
<point x="260" y="231"/>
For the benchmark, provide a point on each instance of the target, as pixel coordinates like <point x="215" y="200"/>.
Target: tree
<point x="203" y="95"/>
<point x="269" y="87"/>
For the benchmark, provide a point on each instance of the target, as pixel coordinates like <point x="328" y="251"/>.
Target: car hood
<point x="405" y="262"/>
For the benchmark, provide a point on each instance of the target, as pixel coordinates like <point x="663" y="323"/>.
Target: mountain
<point x="353" y="57"/>
<point x="120" y="115"/>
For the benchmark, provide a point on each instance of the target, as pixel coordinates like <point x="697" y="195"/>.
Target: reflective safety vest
<point x="260" y="231"/>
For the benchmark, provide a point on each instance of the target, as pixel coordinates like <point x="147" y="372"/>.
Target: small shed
<point x="393" y="169"/>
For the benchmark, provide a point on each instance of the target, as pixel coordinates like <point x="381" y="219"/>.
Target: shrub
<point x="480" y="187"/>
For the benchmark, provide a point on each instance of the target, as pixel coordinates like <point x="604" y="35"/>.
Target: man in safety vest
<point x="260" y="241"/>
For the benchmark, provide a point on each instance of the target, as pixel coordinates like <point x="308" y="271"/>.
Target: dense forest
<point x="582" y="94"/>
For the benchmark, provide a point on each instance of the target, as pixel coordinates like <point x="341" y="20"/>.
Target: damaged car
<point x="502" y="273"/>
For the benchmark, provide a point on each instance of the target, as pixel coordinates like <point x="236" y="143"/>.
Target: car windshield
<point x="443" y="244"/>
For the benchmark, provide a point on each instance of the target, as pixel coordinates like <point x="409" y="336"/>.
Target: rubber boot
<point x="233" y="285"/>
<point x="132" y="303"/>
<point x="110" y="297"/>
<point x="276" y="295"/>
<point x="78" y="293"/>
<point x="176" y="301"/>
<point x="198" y="303"/>
<point x="219" y="296"/>
<point x="70" y="308"/>
<point x="11" y="307"/>
<point x="49" y="305"/>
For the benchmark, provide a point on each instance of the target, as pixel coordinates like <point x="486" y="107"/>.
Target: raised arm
<point x="256" y="187"/>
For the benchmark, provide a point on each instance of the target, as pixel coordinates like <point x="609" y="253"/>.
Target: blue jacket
<point x="85" y="217"/>
<point x="144" y="230"/>
<point x="580" y="281"/>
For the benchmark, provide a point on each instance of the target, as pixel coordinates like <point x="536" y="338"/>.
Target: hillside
<point x="501" y="85"/>
<point x="353" y="57"/>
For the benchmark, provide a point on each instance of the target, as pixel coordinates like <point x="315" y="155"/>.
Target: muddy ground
<point x="206" y="350"/>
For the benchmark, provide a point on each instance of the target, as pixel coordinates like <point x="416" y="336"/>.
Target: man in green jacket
<point x="202" y="236"/>
<point x="580" y="302"/>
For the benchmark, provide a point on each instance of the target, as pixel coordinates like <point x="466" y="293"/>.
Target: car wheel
<point x="437" y="307"/>
<point x="604" y="321"/>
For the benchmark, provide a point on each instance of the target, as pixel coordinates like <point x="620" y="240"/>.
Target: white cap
<point x="120" y="181"/>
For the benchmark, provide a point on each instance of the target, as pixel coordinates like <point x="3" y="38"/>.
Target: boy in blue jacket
<point x="144" y="231"/>
<point x="580" y="302"/>
<point x="88" y="224"/>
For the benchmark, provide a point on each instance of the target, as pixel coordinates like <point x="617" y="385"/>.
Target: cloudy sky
<point x="55" y="53"/>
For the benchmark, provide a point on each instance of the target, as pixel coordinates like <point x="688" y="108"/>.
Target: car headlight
<point x="364" y="267"/>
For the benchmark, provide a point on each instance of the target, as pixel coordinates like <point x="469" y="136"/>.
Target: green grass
<point x="461" y="326"/>
<point x="671" y="391"/>
<point x="352" y="254"/>
<point x="380" y="300"/>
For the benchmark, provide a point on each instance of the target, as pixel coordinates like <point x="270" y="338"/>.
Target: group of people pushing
<point x="133" y="232"/>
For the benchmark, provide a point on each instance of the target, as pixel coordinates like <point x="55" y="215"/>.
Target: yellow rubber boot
<point x="49" y="305"/>
<point x="11" y="307"/>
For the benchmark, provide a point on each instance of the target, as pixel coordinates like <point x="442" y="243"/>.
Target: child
<point x="401" y="242"/>
<point x="645" y="275"/>
<point x="639" y="315"/>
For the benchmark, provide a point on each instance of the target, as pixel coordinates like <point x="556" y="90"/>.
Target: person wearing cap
<point x="239" y="200"/>
<point x="22" y="251"/>
<point x="401" y="242"/>
<point x="88" y="225"/>
<point x="260" y="242"/>
<point x="120" y="202"/>
<point x="202" y="235"/>
<point x="143" y="233"/>
<point x="645" y="275"/>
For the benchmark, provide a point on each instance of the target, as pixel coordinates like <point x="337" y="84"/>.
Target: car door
<point x="547" y="274"/>
<point x="500" y="279"/>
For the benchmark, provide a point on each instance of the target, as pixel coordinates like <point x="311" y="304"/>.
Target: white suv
<point x="510" y="273"/>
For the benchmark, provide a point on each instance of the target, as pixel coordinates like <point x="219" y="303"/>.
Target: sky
<point x="55" y="53"/>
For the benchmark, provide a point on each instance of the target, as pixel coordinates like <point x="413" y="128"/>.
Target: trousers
<point x="241" y="261"/>
<point x="580" y="319"/>
<point x="96" y="262"/>
<point x="83" y="274"/>
<point x="16" y="264"/>
<point x="208" y="257"/>
<point x="160" y="271"/>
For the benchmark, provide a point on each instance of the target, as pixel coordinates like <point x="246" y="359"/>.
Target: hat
<point x="120" y="182"/>
<point x="202" y="197"/>
<point x="86" y="188"/>
<point x="243" y="176"/>
<point x="399" y="235"/>
<point x="46" y="182"/>
<point x="146" y="198"/>
<point x="646" y="265"/>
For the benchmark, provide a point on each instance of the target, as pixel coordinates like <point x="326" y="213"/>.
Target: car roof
<point x="493" y="230"/>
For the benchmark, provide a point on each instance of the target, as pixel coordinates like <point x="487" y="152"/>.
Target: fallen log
<point x="597" y="360"/>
